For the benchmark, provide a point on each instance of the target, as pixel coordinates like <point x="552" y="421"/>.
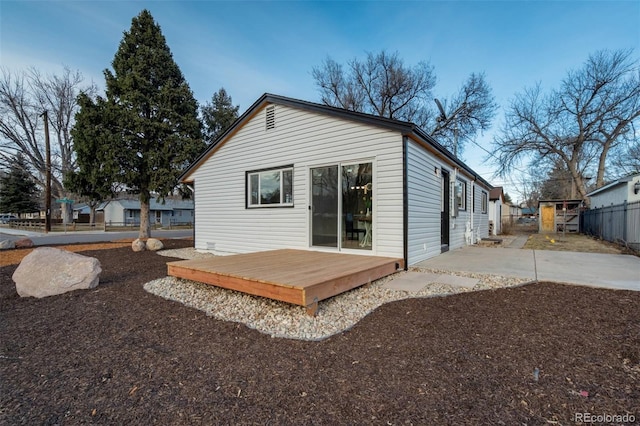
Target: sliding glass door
<point x="342" y="206"/>
<point x="324" y="206"/>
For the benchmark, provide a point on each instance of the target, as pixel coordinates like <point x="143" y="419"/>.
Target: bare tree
<point x="382" y="85"/>
<point x="591" y="115"/>
<point x="24" y="95"/>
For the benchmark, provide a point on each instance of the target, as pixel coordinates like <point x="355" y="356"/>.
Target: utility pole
<point x="47" y="192"/>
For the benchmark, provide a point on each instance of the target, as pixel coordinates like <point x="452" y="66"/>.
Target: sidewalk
<point x="613" y="271"/>
<point x="54" y="238"/>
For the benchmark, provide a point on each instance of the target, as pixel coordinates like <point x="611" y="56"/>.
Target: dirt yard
<point x="119" y="355"/>
<point x="570" y="242"/>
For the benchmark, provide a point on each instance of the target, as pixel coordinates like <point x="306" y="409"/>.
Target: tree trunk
<point x="601" y="164"/>
<point x="92" y="214"/>
<point x="145" y="227"/>
<point x="577" y="179"/>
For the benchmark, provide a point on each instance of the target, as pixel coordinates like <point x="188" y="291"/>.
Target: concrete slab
<point x="456" y="281"/>
<point x="594" y="269"/>
<point x="411" y="281"/>
<point x="613" y="271"/>
<point x="518" y="242"/>
<point x="483" y="260"/>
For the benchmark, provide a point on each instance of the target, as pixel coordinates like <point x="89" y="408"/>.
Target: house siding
<point x="458" y="225"/>
<point x="303" y="139"/>
<point x="480" y="219"/>
<point x="616" y="195"/>
<point x="424" y="204"/>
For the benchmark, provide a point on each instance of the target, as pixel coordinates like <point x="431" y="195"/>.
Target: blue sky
<point x="250" y="48"/>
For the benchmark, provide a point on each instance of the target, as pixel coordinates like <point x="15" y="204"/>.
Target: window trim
<point x="247" y="188"/>
<point x="463" y="196"/>
<point x="484" y="203"/>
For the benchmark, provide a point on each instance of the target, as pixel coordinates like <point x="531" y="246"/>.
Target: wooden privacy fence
<point x="617" y="224"/>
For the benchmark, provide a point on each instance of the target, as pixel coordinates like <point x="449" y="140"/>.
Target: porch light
<point x="636" y="187"/>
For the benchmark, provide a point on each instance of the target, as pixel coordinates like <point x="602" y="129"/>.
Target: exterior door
<point x="341" y="206"/>
<point x="324" y="206"/>
<point x="444" y="212"/>
<point x="357" y="206"/>
<point x="548" y="215"/>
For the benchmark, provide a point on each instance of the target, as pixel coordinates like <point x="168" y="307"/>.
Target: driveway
<point x="615" y="271"/>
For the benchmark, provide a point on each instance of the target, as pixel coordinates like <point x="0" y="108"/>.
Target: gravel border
<point x="280" y="319"/>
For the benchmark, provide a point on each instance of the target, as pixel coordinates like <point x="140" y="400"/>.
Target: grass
<point x="570" y="242"/>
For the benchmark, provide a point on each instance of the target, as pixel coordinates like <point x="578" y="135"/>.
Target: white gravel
<point x="280" y="319"/>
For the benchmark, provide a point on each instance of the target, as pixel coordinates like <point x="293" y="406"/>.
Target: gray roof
<point x="405" y="128"/>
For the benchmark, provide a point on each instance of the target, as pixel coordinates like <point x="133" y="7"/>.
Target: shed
<point x="291" y="174"/>
<point x="559" y="215"/>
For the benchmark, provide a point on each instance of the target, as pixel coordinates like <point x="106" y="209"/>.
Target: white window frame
<point x="284" y="200"/>
<point x="484" y="204"/>
<point x="461" y="188"/>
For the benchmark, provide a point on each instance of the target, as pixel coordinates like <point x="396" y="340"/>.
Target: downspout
<point x="405" y="205"/>
<point x="473" y="210"/>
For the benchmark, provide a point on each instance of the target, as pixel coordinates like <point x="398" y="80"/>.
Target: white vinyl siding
<point x="459" y="223"/>
<point x="303" y="139"/>
<point x="480" y="218"/>
<point x="423" y="188"/>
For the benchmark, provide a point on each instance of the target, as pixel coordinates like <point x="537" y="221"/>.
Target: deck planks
<point x="301" y="277"/>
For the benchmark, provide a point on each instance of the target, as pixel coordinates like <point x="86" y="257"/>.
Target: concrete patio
<point x="592" y="269"/>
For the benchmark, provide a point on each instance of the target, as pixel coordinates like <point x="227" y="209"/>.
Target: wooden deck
<point x="300" y="277"/>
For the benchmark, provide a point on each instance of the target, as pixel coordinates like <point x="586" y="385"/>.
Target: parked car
<point x="526" y="220"/>
<point x="5" y="218"/>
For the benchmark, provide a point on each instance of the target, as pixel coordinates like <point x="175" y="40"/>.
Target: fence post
<point x="624" y="223"/>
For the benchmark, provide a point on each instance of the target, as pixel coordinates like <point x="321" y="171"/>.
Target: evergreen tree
<point x="18" y="191"/>
<point x="97" y="168"/>
<point x="218" y="115"/>
<point x="149" y="115"/>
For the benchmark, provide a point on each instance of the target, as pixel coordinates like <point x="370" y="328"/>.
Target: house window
<point x="485" y="202"/>
<point x="461" y="195"/>
<point x="270" y="188"/>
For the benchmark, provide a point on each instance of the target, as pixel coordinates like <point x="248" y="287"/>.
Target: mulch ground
<point x="119" y="355"/>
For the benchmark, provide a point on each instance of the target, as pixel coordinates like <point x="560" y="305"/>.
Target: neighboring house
<point x="496" y="201"/>
<point x="614" y="213"/>
<point x="295" y="174"/>
<point x="511" y="213"/>
<point x="626" y="189"/>
<point x="127" y="211"/>
<point x="529" y="212"/>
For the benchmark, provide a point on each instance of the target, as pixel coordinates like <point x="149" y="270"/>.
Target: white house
<point x="295" y="174"/>
<point x="626" y="189"/>
<point x="496" y="201"/>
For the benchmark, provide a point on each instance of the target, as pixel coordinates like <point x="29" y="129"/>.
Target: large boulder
<point x="7" y="244"/>
<point x="48" y="271"/>
<point x="138" y="245"/>
<point x="154" y="244"/>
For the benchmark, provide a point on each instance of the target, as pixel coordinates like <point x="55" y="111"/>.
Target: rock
<point x="48" y="271"/>
<point x="24" y="243"/>
<point x="154" y="244"/>
<point x="138" y="245"/>
<point x="7" y="244"/>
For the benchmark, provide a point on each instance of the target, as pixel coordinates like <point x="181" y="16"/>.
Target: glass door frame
<point x="340" y="225"/>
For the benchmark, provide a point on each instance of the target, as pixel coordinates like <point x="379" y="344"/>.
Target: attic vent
<point x="271" y="117"/>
